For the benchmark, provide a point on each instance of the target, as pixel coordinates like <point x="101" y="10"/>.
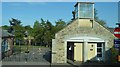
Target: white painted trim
<point x="82" y="39"/>
<point x="85" y="37"/>
<point x="93" y="11"/>
<point x="102" y="53"/>
<point x="96" y="50"/>
<point x="85" y="40"/>
<point x="65" y="51"/>
<point x="78" y="10"/>
<point x="85" y="51"/>
<point x="96" y="41"/>
<point x="106" y="49"/>
<point x="75" y="40"/>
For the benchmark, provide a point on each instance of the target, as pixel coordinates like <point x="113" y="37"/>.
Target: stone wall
<point x="75" y="30"/>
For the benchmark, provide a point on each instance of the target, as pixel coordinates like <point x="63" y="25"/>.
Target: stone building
<point x="6" y="40"/>
<point x="83" y="39"/>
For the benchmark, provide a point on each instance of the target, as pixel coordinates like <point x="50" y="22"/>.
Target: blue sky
<point x="29" y="12"/>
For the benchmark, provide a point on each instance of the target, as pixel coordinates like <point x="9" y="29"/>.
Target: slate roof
<point x="4" y="33"/>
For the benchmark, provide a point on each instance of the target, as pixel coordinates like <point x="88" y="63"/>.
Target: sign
<point x="117" y="43"/>
<point x="117" y="32"/>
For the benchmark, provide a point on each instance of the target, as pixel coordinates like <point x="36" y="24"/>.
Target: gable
<point x="78" y="28"/>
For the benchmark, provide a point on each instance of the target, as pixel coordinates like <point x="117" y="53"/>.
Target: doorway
<point x="75" y="51"/>
<point x="78" y="51"/>
<point x="91" y="51"/>
<point x="70" y="51"/>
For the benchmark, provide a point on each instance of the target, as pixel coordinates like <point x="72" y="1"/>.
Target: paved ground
<point x="36" y="58"/>
<point x="41" y="58"/>
<point x="35" y="55"/>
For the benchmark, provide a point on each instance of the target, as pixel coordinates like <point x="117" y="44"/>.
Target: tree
<point x="36" y="32"/>
<point x="60" y="24"/>
<point x="5" y="27"/>
<point x="39" y="29"/>
<point x="17" y="29"/>
<point x="29" y="29"/>
<point x="48" y="35"/>
<point x="101" y="22"/>
<point x="15" y="22"/>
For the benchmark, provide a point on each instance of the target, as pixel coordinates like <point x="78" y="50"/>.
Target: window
<point x="99" y="45"/>
<point x="99" y="49"/>
<point x="8" y="46"/>
<point x="99" y="55"/>
<point x="86" y="10"/>
<point x="76" y="10"/>
<point x="5" y="45"/>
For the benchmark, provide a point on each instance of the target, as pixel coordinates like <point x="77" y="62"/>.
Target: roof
<point x="111" y="30"/>
<point x="84" y="2"/>
<point x="4" y="33"/>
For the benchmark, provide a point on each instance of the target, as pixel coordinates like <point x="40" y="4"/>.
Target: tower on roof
<point x="83" y="10"/>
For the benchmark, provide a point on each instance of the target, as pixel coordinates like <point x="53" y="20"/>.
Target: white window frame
<point x="102" y="48"/>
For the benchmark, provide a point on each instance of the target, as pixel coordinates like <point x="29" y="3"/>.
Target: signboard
<point x="116" y="43"/>
<point x="117" y="32"/>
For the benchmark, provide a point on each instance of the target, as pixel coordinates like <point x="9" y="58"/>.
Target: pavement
<point x="34" y="57"/>
<point x="41" y="65"/>
<point x="41" y="58"/>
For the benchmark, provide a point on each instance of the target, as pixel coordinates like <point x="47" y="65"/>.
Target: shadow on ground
<point x="47" y="56"/>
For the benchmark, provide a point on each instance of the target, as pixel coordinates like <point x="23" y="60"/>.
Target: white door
<point x="78" y="51"/>
<point x="91" y="51"/>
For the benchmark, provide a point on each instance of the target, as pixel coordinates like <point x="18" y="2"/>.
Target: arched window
<point x="5" y="45"/>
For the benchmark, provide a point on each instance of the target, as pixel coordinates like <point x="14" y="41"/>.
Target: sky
<point x="29" y="12"/>
<point x="59" y="0"/>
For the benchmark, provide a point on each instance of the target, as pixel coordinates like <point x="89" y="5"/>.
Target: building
<point x="83" y="39"/>
<point x="30" y="40"/>
<point x="6" y="40"/>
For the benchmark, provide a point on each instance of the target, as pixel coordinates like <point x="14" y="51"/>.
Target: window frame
<point x="85" y="10"/>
